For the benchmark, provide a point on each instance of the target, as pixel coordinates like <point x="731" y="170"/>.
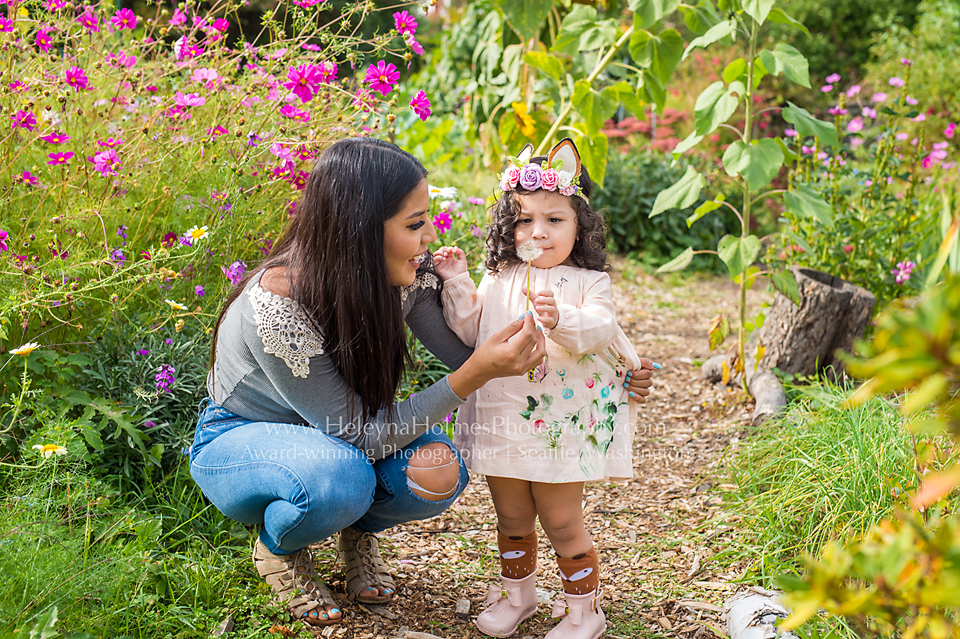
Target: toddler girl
<point x="571" y="421"/>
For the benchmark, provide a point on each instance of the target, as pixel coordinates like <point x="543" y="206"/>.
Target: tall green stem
<point x="597" y="69"/>
<point x="745" y="230"/>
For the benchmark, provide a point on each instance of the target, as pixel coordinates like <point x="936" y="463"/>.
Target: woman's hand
<point x="513" y="350"/>
<point x="449" y="261"/>
<point x="640" y="381"/>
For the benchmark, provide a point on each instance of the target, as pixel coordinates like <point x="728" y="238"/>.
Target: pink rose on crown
<point x="569" y="190"/>
<point x="550" y="179"/>
<point x="510" y="178"/>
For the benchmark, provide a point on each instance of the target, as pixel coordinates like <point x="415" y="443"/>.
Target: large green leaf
<point x="581" y="18"/>
<point x="788" y="61"/>
<point x="547" y="62"/>
<point x="601" y="34"/>
<point x="486" y="56"/>
<point x="758" y="162"/>
<point x="786" y="282"/>
<point x="735" y="70"/>
<point x="595" y="107"/>
<point x="738" y="253"/>
<point x="717" y="32"/>
<point x="758" y="9"/>
<point x="804" y="200"/>
<point x="659" y="53"/>
<point x="647" y="13"/>
<point x="715" y="106"/>
<point x="686" y="144"/>
<point x="627" y="96"/>
<point x="681" y="195"/>
<point x="526" y="16"/>
<point x="678" y="263"/>
<point x="706" y="207"/>
<point x="777" y="15"/>
<point x="655" y="90"/>
<point x="701" y="17"/>
<point x="806" y="124"/>
<point x="593" y="155"/>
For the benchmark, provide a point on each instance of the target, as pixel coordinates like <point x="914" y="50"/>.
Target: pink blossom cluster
<point x="903" y="270"/>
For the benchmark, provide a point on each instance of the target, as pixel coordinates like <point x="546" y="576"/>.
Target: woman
<point x="301" y="434"/>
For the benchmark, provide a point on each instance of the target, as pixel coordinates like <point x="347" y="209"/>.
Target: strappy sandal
<point x="291" y="577"/>
<point x="367" y="574"/>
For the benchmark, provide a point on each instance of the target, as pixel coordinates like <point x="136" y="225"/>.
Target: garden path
<point x="656" y="535"/>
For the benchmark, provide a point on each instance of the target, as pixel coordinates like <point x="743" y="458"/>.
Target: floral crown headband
<point x="561" y="171"/>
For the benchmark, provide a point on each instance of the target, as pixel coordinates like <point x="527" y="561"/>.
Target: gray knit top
<point x="270" y="367"/>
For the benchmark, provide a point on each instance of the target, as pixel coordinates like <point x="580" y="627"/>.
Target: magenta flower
<point x="198" y="291"/>
<point x="110" y="143"/>
<point x="43" y="40"/>
<point x="60" y="158"/>
<point x="106" y="162"/>
<point x="77" y="78"/>
<point x="217" y="131"/>
<point x="189" y="100"/>
<point x="89" y="20"/>
<point x="328" y="72"/>
<point x="221" y="25"/>
<point x="896" y="82"/>
<point x="854" y="90"/>
<point x="178" y="19"/>
<point x="791" y="133"/>
<point x="948" y="132"/>
<point x="121" y="59"/>
<point x="235" y="271"/>
<point x="415" y="46"/>
<point x="24" y="120"/>
<point x="3" y="242"/>
<point x="307" y="3"/>
<point x="282" y="152"/>
<point x="292" y="112"/>
<point x="204" y="75"/>
<point x="29" y="179"/>
<point x="912" y="101"/>
<point x="54" y="5"/>
<point x="827" y="88"/>
<point x="165" y="376"/>
<point x="404" y="23"/>
<point x="382" y="77"/>
<point x="303" y="81"/>
<point x="124" y="19"/>
<point x="906" y="61"/>
<point x="421" y="106"/>
<point x="19" y="87"/>
<point x="442" y="222"/>
<point x="868" y="112"/>
<point x="833" y="78"/>
<point x="855" y="125"/>
<point x="475" y="200"/>
<point x="879" y="97"/>
<point x="6" y="25"/>
<point x="903" y="270"/>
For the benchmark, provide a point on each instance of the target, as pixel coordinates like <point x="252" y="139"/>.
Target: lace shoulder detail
<point x="424" y="280"/>
<point x="284" y="329"/>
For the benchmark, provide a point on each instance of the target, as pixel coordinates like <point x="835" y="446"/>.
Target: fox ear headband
<point x="560" y="172"/>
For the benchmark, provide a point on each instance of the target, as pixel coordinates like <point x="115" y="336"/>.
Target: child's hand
<point x="449" y="261"/>
<point x="546" y="306"/>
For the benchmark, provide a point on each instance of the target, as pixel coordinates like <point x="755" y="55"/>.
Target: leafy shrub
<point x="632" y="184"/>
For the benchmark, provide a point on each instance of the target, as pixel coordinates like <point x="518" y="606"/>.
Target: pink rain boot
<point x="583" y="619"/>
<point x="502" y="618"/>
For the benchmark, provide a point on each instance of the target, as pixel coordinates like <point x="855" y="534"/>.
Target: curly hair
<point x="589" y="249"/>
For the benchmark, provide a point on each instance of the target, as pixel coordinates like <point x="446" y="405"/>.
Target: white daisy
<point x="26" y="349"/>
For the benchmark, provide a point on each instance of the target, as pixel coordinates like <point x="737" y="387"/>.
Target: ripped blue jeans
<point x="300" y="484"/>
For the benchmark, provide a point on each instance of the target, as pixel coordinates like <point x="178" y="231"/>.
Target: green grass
<point x="819" y="472"/>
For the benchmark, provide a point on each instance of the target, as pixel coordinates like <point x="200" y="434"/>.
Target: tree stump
<point x="803" y="340"/>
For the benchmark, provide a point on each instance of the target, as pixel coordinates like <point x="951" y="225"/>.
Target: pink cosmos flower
<point x="43" y="40"/>
<point x="868" y="112"/>
<point x="27" y="178"/>
<point x="59" y="158"/>
<point x="363" y="100"/>
<point x="948" y="132"/>
<point x="827" y="88"/>
<point x="382" y="76"/>
<point x="903" y="135"/>
<point x="110" y="143"/>
<point x="836" y="110"/>
<point x="106" y="162"/>
<point x="855" y="125"/>
<point x="54" y="5"/>
<point x="282" y="152"/>
<point x="189" y="100"/>
<point x="404" y="23"/>
<point x="920" y="118"/>
<point x="303" y="81"/>
<point x="442" y="221"/>
<point x="55" y="138"/>
<point x="221" y="25"/>
<point x="124" y="19"/>
<point x="879" y="97"/>
<point x="77" y="78"/>
<point x="791" y="133"/>
<point x="19" y="87"/>
<point x="121" y="59"/>
<point x="832" y="78"/>
<point x="307" y="3"/>
<point x="415" y="46"/>
<point x="896" y="82"/>
<point x="6" y="25"/>
<point x="3" y="242"/>
<point x="475" y="200"/>
<point x="328" y="72"/>
<point x="292" y="112"/>
<point x="204" y="75"/>
<point x="24" y="120"/>
<point x="89" y="20"/>
<point x="912" y="101"/>
<point x="421" y="105"/>
<point x="854" y="90"/>
<point x="217" y="131"/>
<point x="178" y="19"/>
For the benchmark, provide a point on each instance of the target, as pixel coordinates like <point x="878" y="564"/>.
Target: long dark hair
<point x="589" y="249"/>
<point x="333" y="251"/>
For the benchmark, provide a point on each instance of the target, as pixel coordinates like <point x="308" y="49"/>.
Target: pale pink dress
<point x="569" y="420"/>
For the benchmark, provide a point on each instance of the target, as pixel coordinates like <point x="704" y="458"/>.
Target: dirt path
<point x="656" y="534"/>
